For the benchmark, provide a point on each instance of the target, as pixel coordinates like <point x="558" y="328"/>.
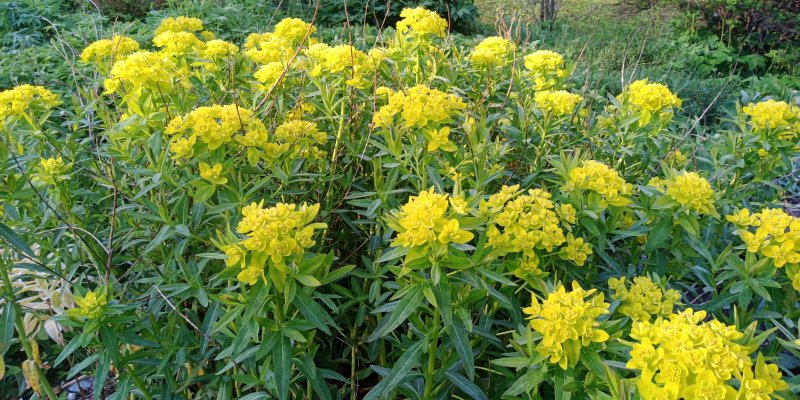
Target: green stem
<point x="20" y="326"/>
<point x="432" y="347"/>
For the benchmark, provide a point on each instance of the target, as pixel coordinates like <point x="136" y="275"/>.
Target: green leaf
<point x="6" y="326"/>
<point x="459" y="336"/>
<point x="661" y="230"/>
<point x="399" y="372"/>
<point x="404" y="308"/>
<point x="313" y="312"/>
<point x="15" y="241"/>
<point x="525" y="383"/>
<point x="466" y="386"/>
<point x="282" y="361"/>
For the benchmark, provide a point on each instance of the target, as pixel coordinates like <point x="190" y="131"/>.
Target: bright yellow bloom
<point x="760" y="385"/>
<point x="250" y="275"/>
<point x="557" y="103"/>
<point x="645" y="299"/>
<point x="693" y="191"/>
<point x="278" y="234"/>
<point x="546" y="68"/>
<point x="213" y="174"/>
<point x="269" y="74"/>
<point x="649" y="100"/>
<point x="303" y="137"/>
<point x="178" y="43"/>
<point x="179" y="24"/>
<point x="265" y="48"/>
<point x="343" y="59"/>
<point x="140" y="70"/>
<point x="567" y="322"/>
<point x="217" y="49"/>
<point x="528" y="221"/>
<point x="576" y="250"/>
<point x="423" y="220"/>
<point x="599" y="178"/>
<point x="492" y="52"/>
<point x="88" y="306"/>
<point x="17" y="102"/>
<point x="214" y="125"/>
<point x="294" y="30"/>
<point x="439" y="139"/>
<point x="419" y="107"/>
<point x="776" y="235"/>
<point x="772" y="114"/>
<point x="52" y="166"/>
<point x="108" y="50"/>
<point x="421" y="23"/>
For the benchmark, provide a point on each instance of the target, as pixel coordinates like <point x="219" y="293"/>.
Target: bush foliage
<point x="422" y="215"/>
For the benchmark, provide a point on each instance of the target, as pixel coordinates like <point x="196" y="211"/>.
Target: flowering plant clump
<point x="275" y="237"/>
<point x="649" y="100"/>
<point x="645" y="299"/>
<point x="682" y="357"/>
<point x="307" y="212"/>
<point x="567" y="322"/>
<point x="599" y="180"/>
<point x="492" y="52"/>
<point x="776" y="234"/>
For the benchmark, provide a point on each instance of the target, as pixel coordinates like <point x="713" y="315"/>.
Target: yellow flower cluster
<point x="546" y="67"/>
<point x="421" y="23"/>
<point x="178" y="43"/>
<point x="141" y="70"/>
<point x="179" y="24"/>
<point x="529" y="221"/>
<point x="649" y="100"/>
<point x="343" y="59"/>
<point x="108" y="50"/>
<point x="492" y="52"/>
<point x="213" y="174"/>
<point x="88" y="306"/>
<point x="567" y="322"/>
<point x="52" y="166"/>
<point x="18" y="101"/>
<point x="576" y="250"/>
<point x="645" y="299"/>
<point x="776" y="235"/>
<point x="269" y="74"/>
<point x="276" y="234"/>
<point x="691" y="190"/>
<point x="557" y="103"/>
<point x="684" y="358"/>
<point x="423" y="221"/>
<point x="773" y="114"/>
<point x="294" y="30"/>
<point x="213" y="125"/>
<point x="601" y="179"/>
<point x="419" y="106"/>
<point x="217" y="49"/>
<point x="301" y="138"/>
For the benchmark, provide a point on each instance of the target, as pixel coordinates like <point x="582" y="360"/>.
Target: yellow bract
<point x="576" y="250"/>
<point x="644" y="300"/>
<point x="140" y="70"/>
<point x="773" y="114"/>
<point x="419" y="107"/>
<point x="691" y="190"/>
<point x="423" y="220"/>
<point x="88" y="306"/>
<point x="776" y="235"/>
<point x="599" y="178"/>
<point x="546" y="67"/>
<point x="492" y="52"/>
<point x="294" y="30"/>
<point x="687" y="358"/>
<point x="17" y="101"/>
<point x="421" y="23"/>
<point x="567" y="322"/>
<point x="213" y="174"/>
<point x="106" y="50"/>
<point x="649" y="100"/>
<point x="557" y="103"/>
<point x="214" y="125"/>
<point x="179" y="24"/>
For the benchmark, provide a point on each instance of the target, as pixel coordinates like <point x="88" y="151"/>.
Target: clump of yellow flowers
<point x="557" y="103"/>
<point x="179" y="43"/>
<point x="691" y="190"/>
<point x="303" y="138"/>
<point x="89" y="305"/>
<point x="492" y="52"/>
<point x="274" y="236"/>
<point x="17" y="101"/>
<point x="775" y="115"/>
<point x="141" y="70"/>
<point x="294" y="30"/>
<point x="648" y="100"/>
<point x="645" y="299"/>
<point x="599" y="180"/>
<point x="546" y="68"/>
<point x="682" y="357"/>
<point x="343" y="59"/>
<point x="419" y="107"/>
<point x="772" y="233"/>
<point x="421" y="23"/>
<point x="424" y="220"/>
<point x="108" y="50"/>
<point x="528" y="221"/>
<point x="567" y="322"/>
<point x="576" y="250"/>
<point x="52" y="170"/>
<point x="179" y="24"/>
<point x="213" y="125"/>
